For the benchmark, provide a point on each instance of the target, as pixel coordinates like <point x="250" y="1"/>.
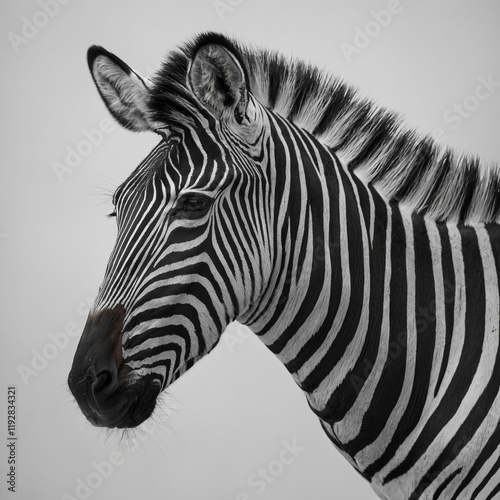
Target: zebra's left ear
<point x="218" y="80"/>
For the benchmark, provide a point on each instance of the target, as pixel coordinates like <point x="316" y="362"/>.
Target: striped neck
<point x="367" y="309"/>
<point x="324" y="229"/>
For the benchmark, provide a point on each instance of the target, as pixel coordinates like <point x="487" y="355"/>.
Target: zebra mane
<point x="402" y="164"/>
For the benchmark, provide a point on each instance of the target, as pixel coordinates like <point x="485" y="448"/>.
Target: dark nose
<point x="94" y="375"/>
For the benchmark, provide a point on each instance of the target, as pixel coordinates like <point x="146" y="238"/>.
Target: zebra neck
<point x="318" y="300"/>
<point x="345" y="295"/>
<point x="380" y="318"/>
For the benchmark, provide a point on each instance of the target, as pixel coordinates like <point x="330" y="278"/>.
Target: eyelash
<point x="206" y="201"/>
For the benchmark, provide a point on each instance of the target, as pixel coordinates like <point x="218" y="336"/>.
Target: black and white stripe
<point x="365" y="256"/>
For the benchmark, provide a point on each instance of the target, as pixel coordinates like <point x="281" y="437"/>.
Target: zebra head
<point x="193" y="251"/>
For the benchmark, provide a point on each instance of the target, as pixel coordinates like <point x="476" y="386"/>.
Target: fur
<point x="403" y="165"/>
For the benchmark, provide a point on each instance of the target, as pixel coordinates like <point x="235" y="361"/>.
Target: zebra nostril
<point x="104" y="383"/>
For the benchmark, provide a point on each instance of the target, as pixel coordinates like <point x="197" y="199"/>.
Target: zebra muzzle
<point x="98" y="375"/>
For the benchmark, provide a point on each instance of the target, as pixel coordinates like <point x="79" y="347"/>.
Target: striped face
<point x="191" y="250"/>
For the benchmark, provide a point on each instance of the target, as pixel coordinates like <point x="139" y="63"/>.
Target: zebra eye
<point x="192" y="206"/>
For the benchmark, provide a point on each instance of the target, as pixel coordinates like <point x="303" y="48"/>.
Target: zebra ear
<point x="124" y="91"/>
<point x="218" y="80"/>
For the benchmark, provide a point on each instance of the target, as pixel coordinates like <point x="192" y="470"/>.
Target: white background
<point x="230" y="415"/>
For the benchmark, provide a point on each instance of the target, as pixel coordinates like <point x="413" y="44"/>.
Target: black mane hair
<point x="402" y="164"/>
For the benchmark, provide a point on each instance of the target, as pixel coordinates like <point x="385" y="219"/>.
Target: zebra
<point x="363" y="253"/>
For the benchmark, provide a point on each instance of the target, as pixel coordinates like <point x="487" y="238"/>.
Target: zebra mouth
<point x="138" y="411"/>
<point x="126" y="408"/>
<point x="103" y="385"/>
